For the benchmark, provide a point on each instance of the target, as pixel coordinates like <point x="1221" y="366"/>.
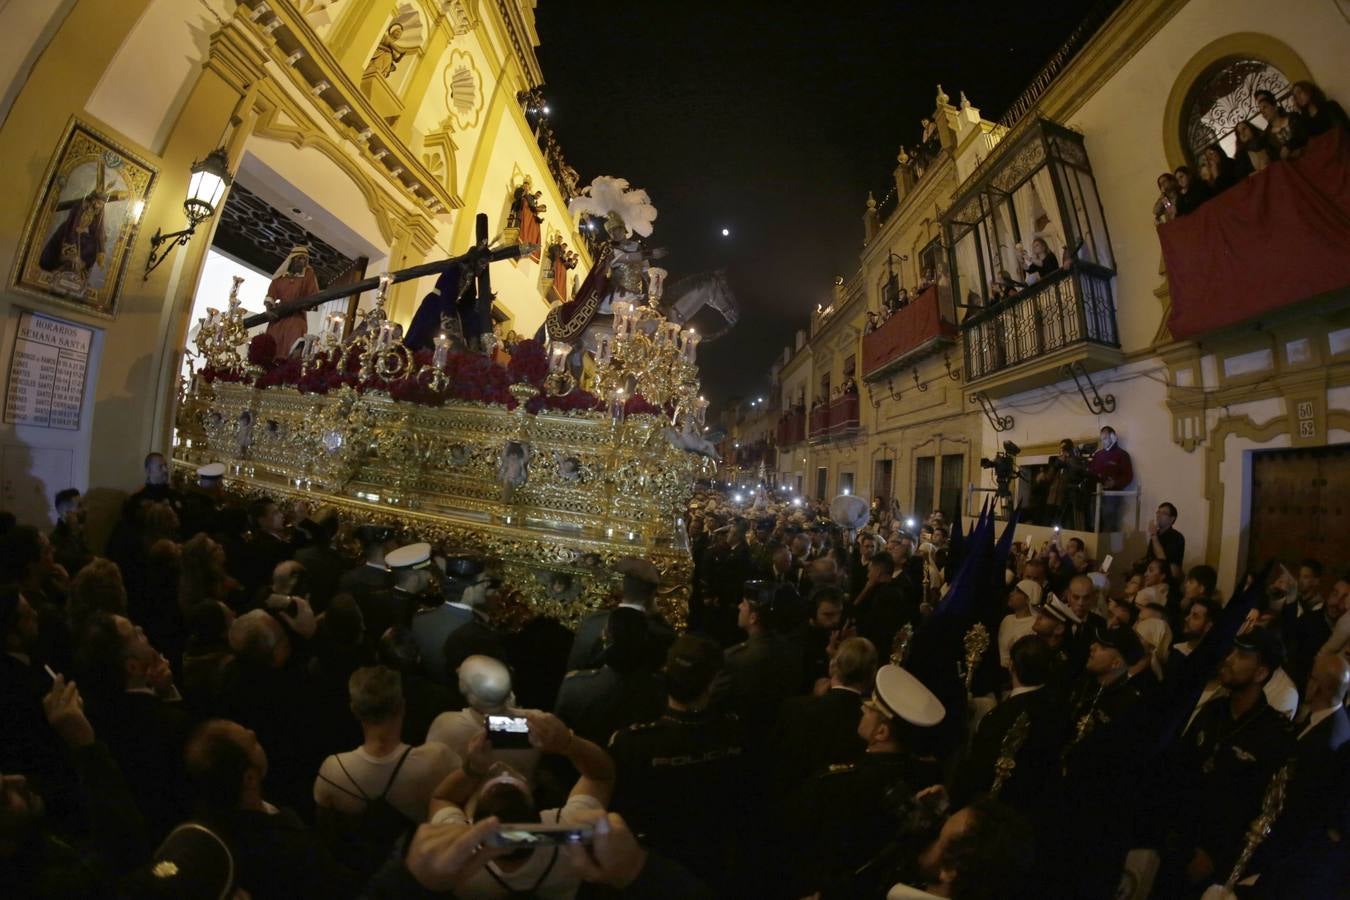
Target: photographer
<point x="1066" y="500"/>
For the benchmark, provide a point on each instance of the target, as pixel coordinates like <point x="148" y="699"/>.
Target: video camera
<point x="1005" y="468"/>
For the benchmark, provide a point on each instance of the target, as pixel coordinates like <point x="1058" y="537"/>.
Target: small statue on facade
<point x="387" y="54"/>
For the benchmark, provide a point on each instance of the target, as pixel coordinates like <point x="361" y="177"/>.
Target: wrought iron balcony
<point x="925" y="324"/>
<point x="1053" y="322"/>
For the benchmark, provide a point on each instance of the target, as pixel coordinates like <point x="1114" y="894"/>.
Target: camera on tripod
<point x="1005" y="468"/>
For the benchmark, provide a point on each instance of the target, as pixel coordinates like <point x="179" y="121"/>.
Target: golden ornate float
<point x="519" y="463"/>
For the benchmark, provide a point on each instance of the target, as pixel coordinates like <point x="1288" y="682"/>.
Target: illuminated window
<point x="1221" y="98"/>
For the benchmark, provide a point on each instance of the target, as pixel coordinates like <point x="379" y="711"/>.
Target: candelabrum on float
<point x="649" y="356"/>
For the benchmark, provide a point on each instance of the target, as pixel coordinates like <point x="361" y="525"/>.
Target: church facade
<point x="374" y="133"/>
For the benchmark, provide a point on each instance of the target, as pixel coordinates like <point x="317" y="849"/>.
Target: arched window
<point x="1222" y="97"/>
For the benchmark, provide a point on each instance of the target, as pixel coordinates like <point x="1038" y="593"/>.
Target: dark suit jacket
<point x="815" y="732"/>
<point x="323" y="567"/>
<point x="587" y="646"/>
<point x="1036" y="762"/>
<point x="146" y="736"/>
<point x="365" y="580"/>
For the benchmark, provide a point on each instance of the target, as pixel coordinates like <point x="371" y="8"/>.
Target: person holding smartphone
<point x="482" y="789"/>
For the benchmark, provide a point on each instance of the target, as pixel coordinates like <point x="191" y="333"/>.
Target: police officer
<point x="680" y="779"/>
<point x="844" y="816"/>
<point x="464" y="592"/>
<point x="1054" y="623"/>
<point x="202" y="505"/>
<point x="415" y="578"/>
<point x="1227" y="757"/>
<point x="640" y="581"/>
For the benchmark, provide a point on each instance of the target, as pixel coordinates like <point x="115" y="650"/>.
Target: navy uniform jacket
<point x="680" y="784"/>
<point x="757" y="675"/>
<point x="854" y="809"/>
<point x="1301" y="857"/>
<point x="1225" y="767"/>
<point x="385" y="608"/>
<point x="597" y="702"/>
<point x="365" y="580"/>
<point x="588" y="644"/>
<point x="1035" y="763"/>
<point x="816" y="732"/>
<point x="430" y="628"/>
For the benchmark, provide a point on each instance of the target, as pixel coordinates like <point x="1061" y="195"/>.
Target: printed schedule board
<point x="47" y="373"/>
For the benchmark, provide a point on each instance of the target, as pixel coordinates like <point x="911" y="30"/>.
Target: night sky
<point x="772" y="120"/>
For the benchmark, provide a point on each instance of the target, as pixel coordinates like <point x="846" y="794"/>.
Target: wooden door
<point x="1300" y="507"/>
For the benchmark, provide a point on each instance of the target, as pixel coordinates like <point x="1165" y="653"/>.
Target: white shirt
<point x="562" y="880"/>
<point x="1009" y="630"/>
<point x="906" y="892"/>
<point x="344" y="777"/>
<point x="455" y="730"/>
<point x="1281" y="694"/>
<point x="1157" y="637"/>
<point x="1024" y="689"/>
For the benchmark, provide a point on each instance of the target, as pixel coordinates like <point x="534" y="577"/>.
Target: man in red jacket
<point x="1111" y="466"/>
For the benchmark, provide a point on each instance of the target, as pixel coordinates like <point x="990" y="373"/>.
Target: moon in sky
<point x="726" y="232"/>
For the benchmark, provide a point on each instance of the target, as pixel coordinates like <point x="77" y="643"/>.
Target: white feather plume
<point x="607" y="194"/>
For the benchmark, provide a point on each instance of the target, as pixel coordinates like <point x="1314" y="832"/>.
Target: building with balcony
<point x="375" y="133"/>
<point x="1216" y="345"/>
<point x="1044" y="302"/>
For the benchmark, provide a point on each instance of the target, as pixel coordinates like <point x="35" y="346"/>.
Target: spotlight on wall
<point x="209" y="179"/>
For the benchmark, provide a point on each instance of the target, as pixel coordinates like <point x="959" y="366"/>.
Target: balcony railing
<point x="818" y="427"/>
<point x="1073" y="308"/>
<point x="928" y="322"/>
<point x="844" y="414"/>
<point x="792" y="428"/>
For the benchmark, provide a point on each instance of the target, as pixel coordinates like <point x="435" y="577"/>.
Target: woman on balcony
<point x="1219" y="166"/>
<point x="1253" y="149"/>
<point x="1040" y="263"/>
<point x="1287" y="130"/>
<point x="1165" y="207"/>
<point x="1320" y="115"/>
<point x="1191" y="191"/>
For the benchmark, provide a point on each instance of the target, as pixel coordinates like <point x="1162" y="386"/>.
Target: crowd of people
<point x="246" y="700"/>
<point x="1286" y="132"/>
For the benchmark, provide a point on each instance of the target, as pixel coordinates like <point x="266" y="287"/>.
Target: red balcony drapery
<point x="1280" y="236"/>
<point x="792" y="428"/>
<point x="820" y="422"/>
<point x="844" y="413"/>
<point x="907" y="329"/>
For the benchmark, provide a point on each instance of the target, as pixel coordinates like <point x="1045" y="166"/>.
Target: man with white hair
<point x="485" y="684"/>
<point x="1020" y="619"/>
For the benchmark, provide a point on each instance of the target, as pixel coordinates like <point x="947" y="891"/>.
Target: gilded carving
<point x="563" y="492"/>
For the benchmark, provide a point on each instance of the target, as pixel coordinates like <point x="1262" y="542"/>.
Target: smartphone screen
<point x="508" y="732"/>
<point x="1106" y="563"/>
<point x="534" y="834"/>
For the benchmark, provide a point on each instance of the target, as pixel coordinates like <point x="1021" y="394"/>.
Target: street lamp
<point x="210" y="177"/>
